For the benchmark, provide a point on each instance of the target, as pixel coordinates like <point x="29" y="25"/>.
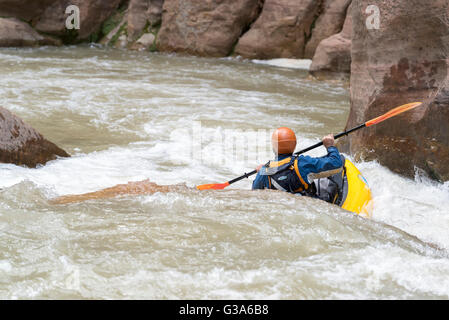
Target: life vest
<point x="333" y="188"/>
<point x="284" y="175"/>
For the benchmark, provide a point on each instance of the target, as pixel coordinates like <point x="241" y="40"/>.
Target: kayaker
<point x="295" y="174"/>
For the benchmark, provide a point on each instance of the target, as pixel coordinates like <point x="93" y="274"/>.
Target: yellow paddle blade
<point x="393" y="112"/>
<point x="213" y="186"/>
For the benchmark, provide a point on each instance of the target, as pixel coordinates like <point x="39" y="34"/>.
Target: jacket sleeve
<point x="323" y="167"/>
<point x="261" y="182"/>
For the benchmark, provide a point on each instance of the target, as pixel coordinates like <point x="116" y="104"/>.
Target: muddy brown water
<point x="129" y="116"/>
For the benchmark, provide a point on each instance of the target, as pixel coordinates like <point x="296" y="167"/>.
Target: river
<point x="129" y="116"/>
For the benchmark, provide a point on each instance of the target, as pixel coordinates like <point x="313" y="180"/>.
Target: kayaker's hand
<point x="259" y="167"/>
<point x="328" y="141"/>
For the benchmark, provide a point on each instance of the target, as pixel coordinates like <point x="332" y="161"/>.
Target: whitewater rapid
<point x="129" y="116"/>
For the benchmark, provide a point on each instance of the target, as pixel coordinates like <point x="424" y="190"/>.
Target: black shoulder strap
<point x="267" y="171"/>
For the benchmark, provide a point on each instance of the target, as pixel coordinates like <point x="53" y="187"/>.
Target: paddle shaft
<point x="246" y="175"/>
<point x="319" y="144"/>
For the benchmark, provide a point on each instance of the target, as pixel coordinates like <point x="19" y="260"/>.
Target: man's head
<point x="283" y="141"/>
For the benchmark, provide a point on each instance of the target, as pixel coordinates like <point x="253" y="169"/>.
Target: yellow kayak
<point x="357" y="196"/>
<point x="348" y="189"/>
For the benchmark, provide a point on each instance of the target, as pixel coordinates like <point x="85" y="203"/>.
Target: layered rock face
<point x="281" y="30"/>
<point x="143" y="14"/>
<point x="257" y="29"/>
<point x="136" y="27"/>
<point x="205" y="28"/>
<point x="92" y="15"/>
<point x="16" y="33"/>
<point x="329" y="23"/>
<point x="20" y="144"/>
<point x="26" y="10"/>
<point x="332" y="58"/>
<point x="405" y="59"/>
<point x="44" y="22"/>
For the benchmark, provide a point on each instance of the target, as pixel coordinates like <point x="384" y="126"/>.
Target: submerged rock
<point x="144" y="187"/>
<point x="205" y="28"/>
<point x="332" y="58"/>
<point x="281" y="31"/>
<point x="20" y="144"/>
<point x="403" y="58"/>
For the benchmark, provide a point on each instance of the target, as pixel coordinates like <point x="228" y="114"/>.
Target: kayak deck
<point x="357" y="194"/>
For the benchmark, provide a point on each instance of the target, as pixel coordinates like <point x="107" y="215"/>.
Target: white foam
<point x="5" y="266"/>
<point x="415" y="206"/>
<point x="302" y="64"/>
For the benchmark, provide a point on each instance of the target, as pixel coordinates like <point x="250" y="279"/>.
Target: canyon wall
<point x="404" y="59"/>
<point x="251" y="29"/>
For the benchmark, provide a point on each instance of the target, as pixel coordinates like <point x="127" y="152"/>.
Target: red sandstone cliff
<point x="405" y="60"/>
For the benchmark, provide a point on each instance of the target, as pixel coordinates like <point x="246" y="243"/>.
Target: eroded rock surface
<point x="16" y="33"/>
<point x="20" y="144"/>
<point x="404" y="60"/>
<point x="332" y="58"/>
<point x="205" y="28"/>
<point x="281" y="31"/>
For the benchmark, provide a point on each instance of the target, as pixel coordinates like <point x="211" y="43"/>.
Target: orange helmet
<point x="283" y="141"/>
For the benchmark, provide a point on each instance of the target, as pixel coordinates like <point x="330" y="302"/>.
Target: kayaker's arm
<point x="261" y="182"/>
<point x="323" y="167"/>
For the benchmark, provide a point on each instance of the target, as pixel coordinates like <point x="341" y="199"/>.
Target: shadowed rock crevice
<point x="281" y="31"/>
<point x="332" y="58"/>
<point x="248" y="26"/>
<point x="204" y="28"/>
<point x="328" y="23"/>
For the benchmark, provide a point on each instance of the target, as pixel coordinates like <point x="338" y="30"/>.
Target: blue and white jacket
<point x="295" y="174"/>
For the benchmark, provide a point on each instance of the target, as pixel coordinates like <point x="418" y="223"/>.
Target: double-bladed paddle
<point x="388" y="115"/>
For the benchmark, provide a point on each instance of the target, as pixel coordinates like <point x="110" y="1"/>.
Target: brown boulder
<point x="92" y="15"/>
<point x="332" y="58"/>
<point x="142" y="14"/>
<point x="403" y="61"/>
<point x="137" y="18"/>
<point x="281" y="30"/>
<point x="329" y="22"/>
<point x="118" y="21"/>
<point x="154" y="12"/>
<point x="16" y="33"/>
<point x="205" y="28"/>
<point x="22" y="145"/>
<point x="23" y="9"/>
<point x="144" y="42"/>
